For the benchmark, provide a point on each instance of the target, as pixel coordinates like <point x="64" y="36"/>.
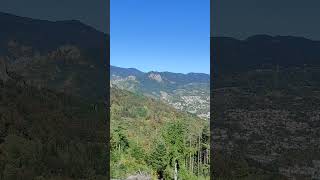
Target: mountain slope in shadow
<point x="263" y="51"/>
<point x="53" y="79"/>
<point x="60" y="55"/>
<point x="265" y="108"/>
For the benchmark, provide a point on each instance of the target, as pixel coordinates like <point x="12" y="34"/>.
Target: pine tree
<point x="158" y="158"/>
<point x="174" y="138"/>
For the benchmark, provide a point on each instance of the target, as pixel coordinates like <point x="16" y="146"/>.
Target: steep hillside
<point x="66" y="56"/>
<point x="148" y="136"/>
<point x="265" y="120"/>
<point x="186" y="92"/>
<point x="49" y="35"/>
<point x="52" y="92"/>
<point x="49" y="135"/>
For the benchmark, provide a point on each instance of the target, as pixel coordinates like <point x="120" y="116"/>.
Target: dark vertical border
<point x="108" y="93"/>
<point x="211" y="90"/>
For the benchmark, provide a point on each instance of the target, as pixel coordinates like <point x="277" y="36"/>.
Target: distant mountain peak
<point x="134" y="69"/>
<point x="260" y="50"/>
<point x="47" y="35"/>
<point x="259" y="37"/>
<point x="265" y="37"/>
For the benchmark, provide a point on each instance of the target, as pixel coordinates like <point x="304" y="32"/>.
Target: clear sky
<point x="161" y="35"/>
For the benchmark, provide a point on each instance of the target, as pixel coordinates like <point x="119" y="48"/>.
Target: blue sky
<point x="161" y="35"/>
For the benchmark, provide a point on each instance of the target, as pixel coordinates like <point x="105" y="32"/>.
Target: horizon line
<point x="53" y="21"/>
<point x="261" y="34"/>
<point x="159" y="71"/>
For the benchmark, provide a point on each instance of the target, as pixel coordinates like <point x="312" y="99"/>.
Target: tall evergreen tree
<point x="158" y="158"/>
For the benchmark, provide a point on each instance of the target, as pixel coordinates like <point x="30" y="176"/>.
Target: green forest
<point x="152" y="138"/>
<point x="50" y="135"/>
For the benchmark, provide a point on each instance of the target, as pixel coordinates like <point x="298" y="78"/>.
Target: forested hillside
<point x="49" y="135"/>
<point x="52" y="100"/>
<point x="265" y="122"/>
<point x="152" y="138"/>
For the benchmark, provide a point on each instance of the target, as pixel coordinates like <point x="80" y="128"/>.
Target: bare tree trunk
<point x="186" y="161"/>
<point x="192" y="163"/>
<point x="208" y="157"/>
<point x="199" y="151"/>
<point x="176" y="170"/>
<point x="190" y="160"/>
<point x="200" y="162"/>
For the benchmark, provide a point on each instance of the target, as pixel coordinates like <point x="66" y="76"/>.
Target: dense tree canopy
<point x="49" y="135"/>
<point x="152" y="138"/>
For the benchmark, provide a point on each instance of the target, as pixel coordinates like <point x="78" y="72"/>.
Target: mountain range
<point x="52" y="74"/>
<point x="66" y="56"/>
<point x="186" y="92"/>
<point x="263" y="51"/>
<point x="53" y="79"/>
<point x="47" y="35"/>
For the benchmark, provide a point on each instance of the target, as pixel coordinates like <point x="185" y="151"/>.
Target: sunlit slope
<point x="140" y="127"/>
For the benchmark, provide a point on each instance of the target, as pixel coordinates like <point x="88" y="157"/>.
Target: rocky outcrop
<point x="156" y="77"/>
<point x="139" y="177"/>
<point x="67" y="52"/>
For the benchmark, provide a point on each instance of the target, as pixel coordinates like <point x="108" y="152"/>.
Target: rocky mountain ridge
<point x="66" y="56"/>
<point x="185" y="92"/>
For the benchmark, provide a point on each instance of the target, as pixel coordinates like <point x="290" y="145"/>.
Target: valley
<point x="185" y="92"/>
